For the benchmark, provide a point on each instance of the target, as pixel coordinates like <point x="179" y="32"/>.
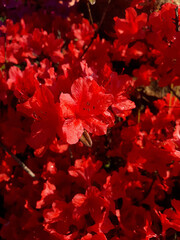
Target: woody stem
<point x="28" y="170"/>
<point x="97" y="30"/>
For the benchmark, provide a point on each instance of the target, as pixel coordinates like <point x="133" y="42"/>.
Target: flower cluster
<point x="98" y="122"/>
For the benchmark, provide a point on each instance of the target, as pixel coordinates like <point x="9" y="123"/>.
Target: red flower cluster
<point x="58" y="91"/>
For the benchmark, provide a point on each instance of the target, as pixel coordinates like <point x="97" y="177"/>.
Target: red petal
<point x="78" y="200"/>
<point x="73" y="130"/>
<point x="68" y="105"/>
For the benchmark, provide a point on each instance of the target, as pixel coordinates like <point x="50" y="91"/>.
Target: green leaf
<point x="3" y="67"/>
<point x="2" y="19"/>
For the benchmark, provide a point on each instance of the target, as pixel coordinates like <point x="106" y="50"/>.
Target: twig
<point x="18" y="160"/>
<point x="176" y="20"/>
<point x="97" y="30"/>
<point x="149" y="190"/>
<point x="174" y="93"/>
<point x="104" y="14"/>
<point x="90" y="14"/>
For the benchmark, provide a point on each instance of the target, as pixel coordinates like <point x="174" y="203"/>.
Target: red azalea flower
<point x="49" y="190"/>
<point x="137" y="51"/>
<point x="161" y="22"/>
<point x="92" y="202"/>
<point x="168" y="64"/>
<point x="134" y="220"/>
<point x="47" y="118"/>
<point x="46" y="73"/>
<point x="156" y="159"/>
<point x="3" y="87"/>
<point x="2" y="49"/>
<point x="85" y="170"/>
<point x="119" y="85"/>
<point x="131" y="28"/>
<point x="115" y="185"/>
<point x="171" y="217"/>
<point x="144" y="75"/>
<point x="52" y="47"/>
<point x="59" y="217"/>
<point x="83" y="32"/>
<point x="97" y="55"/>
<point x="24" y="83"/>
<point x="85" y="109"/>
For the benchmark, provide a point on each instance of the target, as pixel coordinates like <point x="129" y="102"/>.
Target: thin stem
<point x="97" y="30"/>
<point x="104" y="14"/>
<point x="18" y="160"/>
<point x="176" y="20"/>
<point x="90" y="14"/>
<point x="174" y="93"/>
<point x="150" y="188"/>
<point x="139" y="115"/>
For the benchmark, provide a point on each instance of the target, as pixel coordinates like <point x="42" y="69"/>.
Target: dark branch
<point x="97" y="30"/>
<point x="176" y="20"/>
<point x="90" y="14"/>
<point x="18" y="160"/>
<point x="174" y="93"/>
